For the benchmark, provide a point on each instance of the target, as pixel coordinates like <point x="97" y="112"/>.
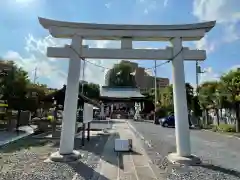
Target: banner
<point x="87" y="113"/>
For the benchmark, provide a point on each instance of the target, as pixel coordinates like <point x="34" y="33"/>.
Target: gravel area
<point x="24" y="159"/>
<point x="220" y="154"/>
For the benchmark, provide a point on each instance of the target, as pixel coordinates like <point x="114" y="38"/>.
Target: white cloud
<point x="205" y="44"/>
<point x="151" y="5"/>
<point x="232" y="33"/>
<point x="108" y="5"/>
<point x="208" y="75"/>
<point x="55" y="70"/>
<point x="36" y="57"/>
<point x="149" y="72"/>
<point x="235" y="67"/>
<point x="165" y="3"/>
<point x="225" y="12"/>
<point x="26" y="5"/>
<point x="24" y="1"/>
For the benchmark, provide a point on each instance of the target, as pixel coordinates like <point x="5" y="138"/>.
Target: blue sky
<point x="25" y="41"/>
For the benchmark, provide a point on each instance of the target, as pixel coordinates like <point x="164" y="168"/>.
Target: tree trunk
<point x="217" y="114"/>
<point x="221" y="114"/>
<point x="207" y="118"/>
<point x="237" y="109"/>
<point x="18" y="119"/>
<point x="54" y="121"/>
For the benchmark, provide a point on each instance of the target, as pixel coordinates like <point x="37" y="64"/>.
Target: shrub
<point x="214" y="128"/>
<point x="226" y="128"/>
<point x="160" y="113"/>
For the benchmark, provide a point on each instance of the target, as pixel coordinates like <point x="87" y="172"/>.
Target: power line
<point x="168" y="61"/>
<point x="83" y="75"/>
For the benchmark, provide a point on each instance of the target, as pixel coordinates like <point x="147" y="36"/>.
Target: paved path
<point x="124" y="166"/>
<point x="221" y="151"/>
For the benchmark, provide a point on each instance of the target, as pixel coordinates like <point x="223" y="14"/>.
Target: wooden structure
<point x="59" y="97"/>
<point x="128" y="95"/>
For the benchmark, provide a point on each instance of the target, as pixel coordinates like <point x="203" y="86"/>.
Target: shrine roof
<point x="120" y="92"/>
<point x="59" y="95"/>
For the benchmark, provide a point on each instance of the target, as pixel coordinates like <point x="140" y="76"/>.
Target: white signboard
<point x="87" y="113"/>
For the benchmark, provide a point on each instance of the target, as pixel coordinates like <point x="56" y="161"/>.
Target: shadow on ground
<point x="85" y="171"/>
<point x="120" y="157"/>
<point x="24" y="143"/>
<point x="96" y="146"/>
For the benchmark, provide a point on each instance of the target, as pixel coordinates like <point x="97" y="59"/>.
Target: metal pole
<point x="35" y="76"/>
<point x="155" y="85"/>
<point x="83" y="134"/>
<point x="197" y="80"/>
<point x="88" y="132"/>
<point x="83" y="74"/>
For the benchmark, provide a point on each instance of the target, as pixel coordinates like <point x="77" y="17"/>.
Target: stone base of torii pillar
<point x="188" y="160"/>
<point x="57" y="157"/>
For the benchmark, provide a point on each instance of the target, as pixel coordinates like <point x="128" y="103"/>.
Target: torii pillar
<point x="66" y="151"/>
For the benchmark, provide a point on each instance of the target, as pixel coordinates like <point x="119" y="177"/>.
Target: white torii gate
<point x="126" y="34"/>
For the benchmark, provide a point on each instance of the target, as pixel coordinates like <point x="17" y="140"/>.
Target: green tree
<point x="90" y="90"/>
<point x="209" y="97"/>
<point x="121" y="75"/>
<point x="13" y="86"/>
<point x="195" y="107"/>
<point x="166" y="97"/>
<point x="231" y="85"/>
<point x="35" y="93"/>
<point x="148" y="96"/>
<point x="189" y="95"/>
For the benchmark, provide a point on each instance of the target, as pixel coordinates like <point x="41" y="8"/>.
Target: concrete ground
<point x="219" y="153"/>
<point x="124" y="166"/>
<point x="26" y="158"/>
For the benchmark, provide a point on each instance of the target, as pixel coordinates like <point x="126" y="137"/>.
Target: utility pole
<point x="198" y="71"/>
<point x="197" y="80"/>
<point x="35" y="76"/>
<point x="155" y="85"/>
<point x="83" y="74"/>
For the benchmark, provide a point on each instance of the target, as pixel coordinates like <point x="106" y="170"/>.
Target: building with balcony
<point x="144" y="80"/>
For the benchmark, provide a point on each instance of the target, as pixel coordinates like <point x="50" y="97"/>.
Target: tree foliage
<point x="222" y="94"/>
<point x="166" y="97"/>
<point x="121" y="75"/>
<point x="16" y="88"/>
<point x="90" y="90"/>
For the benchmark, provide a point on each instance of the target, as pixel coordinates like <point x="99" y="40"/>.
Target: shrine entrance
<point x="176" y="34"/>
<point x="124" y="102"/>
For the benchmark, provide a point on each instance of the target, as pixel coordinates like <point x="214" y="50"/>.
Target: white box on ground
<point x="87" y="113"/>
<point x="123" y="145"/>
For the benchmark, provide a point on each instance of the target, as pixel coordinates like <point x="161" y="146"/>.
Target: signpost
<point x="87" y="119"/>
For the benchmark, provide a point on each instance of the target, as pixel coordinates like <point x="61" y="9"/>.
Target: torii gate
<point x="126" y="34"/>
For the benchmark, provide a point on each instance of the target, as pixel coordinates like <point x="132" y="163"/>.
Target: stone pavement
<point x="124" y="166"/>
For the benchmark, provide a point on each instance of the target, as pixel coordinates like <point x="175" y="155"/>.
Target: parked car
<point x="169" y="121"/>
